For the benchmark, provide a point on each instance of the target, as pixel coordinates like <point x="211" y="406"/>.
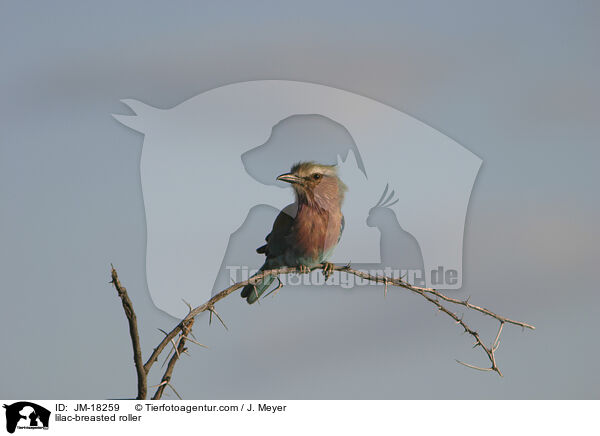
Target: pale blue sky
<point x="514" y="82"/>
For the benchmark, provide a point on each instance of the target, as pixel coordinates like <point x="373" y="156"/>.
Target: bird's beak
<point x="290" y="178"/>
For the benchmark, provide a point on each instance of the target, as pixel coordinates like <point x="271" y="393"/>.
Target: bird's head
<point x="379" y="213"/>
<point x="316" y="183"/>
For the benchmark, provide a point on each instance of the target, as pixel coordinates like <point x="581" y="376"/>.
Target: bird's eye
<point x="317" y="176"/>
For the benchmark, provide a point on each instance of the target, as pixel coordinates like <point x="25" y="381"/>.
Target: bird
<point x="306" y="232"/>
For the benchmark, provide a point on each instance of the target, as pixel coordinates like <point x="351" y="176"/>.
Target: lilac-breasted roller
<point x="307" y="237"/>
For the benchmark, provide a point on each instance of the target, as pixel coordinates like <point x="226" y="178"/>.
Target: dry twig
<point x="133" y="332"/>
<point x="184" y="327"/>
<point x="179" y="350"/>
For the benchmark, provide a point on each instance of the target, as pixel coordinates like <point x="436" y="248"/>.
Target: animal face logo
<point x="208" y="170"/>
<point x="26" y="415"/>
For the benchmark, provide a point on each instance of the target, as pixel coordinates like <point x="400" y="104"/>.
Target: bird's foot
<point x="303" y="269"/>
<point x="328" y="269"/>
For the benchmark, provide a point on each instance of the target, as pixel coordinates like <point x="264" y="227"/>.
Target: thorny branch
<point x="133" y="332"/>
<point x="178" y="351"/>
<point x="183" y="329"/>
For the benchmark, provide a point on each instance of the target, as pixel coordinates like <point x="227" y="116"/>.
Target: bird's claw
<point x="303" y="269"/>
<point x="328" y="269"/>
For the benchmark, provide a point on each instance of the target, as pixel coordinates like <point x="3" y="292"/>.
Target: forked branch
<point x="183" y="329"/>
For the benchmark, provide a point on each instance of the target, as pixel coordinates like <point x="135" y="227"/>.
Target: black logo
<point x="26" y="415"/>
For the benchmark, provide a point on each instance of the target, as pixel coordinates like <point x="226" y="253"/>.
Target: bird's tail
<point x="252" y="292"/>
